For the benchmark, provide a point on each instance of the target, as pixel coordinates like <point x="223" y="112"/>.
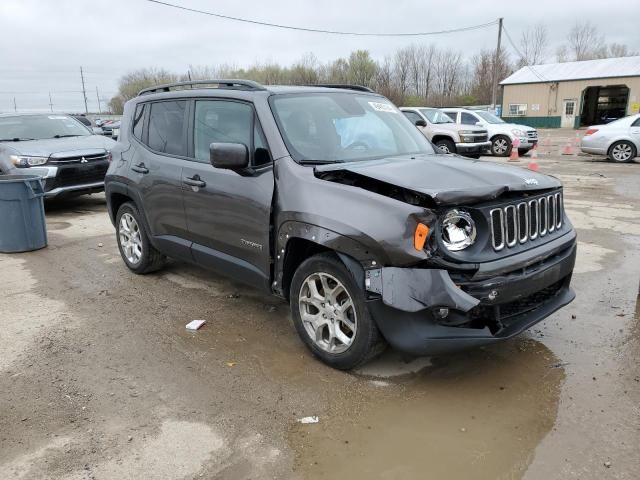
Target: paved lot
<point x="100" y="380"/>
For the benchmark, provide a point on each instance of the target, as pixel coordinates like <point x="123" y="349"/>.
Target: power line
<point x="530" y="67"/>
<point x="316" y="30"/>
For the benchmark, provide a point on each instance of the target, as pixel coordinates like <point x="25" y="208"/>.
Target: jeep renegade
<point x="329" y="196"/>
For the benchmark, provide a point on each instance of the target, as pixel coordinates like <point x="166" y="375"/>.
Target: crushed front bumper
<point x="407" y="303"/>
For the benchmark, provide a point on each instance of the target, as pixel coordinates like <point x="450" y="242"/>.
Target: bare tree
<point x="401" y="68"/>
<point x="585" y="42"/>
<point x="384" y="79"/>
<point x="533" y="45"/>
<point x="421" y="60"/>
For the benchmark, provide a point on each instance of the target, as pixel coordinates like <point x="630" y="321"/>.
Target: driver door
<point x="228" y="213"/>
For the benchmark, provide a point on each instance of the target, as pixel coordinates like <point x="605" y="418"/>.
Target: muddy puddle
<point x="475" y="415"/>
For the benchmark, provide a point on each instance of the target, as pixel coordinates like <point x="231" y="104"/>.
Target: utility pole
<point x="494" y="86"/>
<point x="84" y="92"/>
<point x="98" y="97"/>
<point x="50" y="102"/>
<point x="15" y="106"/>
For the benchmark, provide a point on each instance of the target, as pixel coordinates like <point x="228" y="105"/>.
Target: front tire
<point x="501" y="146"/>
<point x="446" y="146"/>
<point x="133" y="242"/>
<point x="330" y="315"/>
<point x="622" y="152"/>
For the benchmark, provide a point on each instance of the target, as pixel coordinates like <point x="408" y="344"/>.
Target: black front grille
<point x="79" y="158"/>
<point x="79" y="174"/>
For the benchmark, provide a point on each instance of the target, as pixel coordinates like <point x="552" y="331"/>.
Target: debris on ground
<point x="195" y="324"/>
<point x="559" y="365"/>
<point x="233" y="295"/>
<point x="231" y="364"/>
<point x="607" y="464"/>
<point x="307" y="420"/>
<point x="270" y="308"/>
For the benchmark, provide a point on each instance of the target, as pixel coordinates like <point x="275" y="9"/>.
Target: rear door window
<point x="452" y="115"/>
<point x="167" y="127"/>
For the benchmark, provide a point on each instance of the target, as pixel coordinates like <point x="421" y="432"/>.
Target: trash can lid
<point x="18" y="178"/>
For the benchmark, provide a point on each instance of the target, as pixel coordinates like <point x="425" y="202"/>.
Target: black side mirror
<point x="421" y="123"/>
<point x="232" y="156"/>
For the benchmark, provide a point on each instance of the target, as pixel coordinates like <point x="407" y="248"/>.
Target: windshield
<point x="339" y="127"/>
<point x="436" y="116"/>
<point x="38" y="127"/>
<point x="489" y="117"/>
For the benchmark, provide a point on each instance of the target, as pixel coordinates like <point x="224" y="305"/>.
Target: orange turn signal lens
<point x="420" y="236"/>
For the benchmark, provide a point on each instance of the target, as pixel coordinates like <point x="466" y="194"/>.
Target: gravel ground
<point x="100" y="380"/>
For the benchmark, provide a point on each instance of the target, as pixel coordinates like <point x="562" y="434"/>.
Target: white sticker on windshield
<point x="57" y="117"/>
<point x="383" y="107"/>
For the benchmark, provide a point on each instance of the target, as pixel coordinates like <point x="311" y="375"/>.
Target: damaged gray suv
<point x="329" y="197"/>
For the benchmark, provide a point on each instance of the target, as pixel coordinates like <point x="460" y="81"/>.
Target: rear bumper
<point x="480" y="312"/>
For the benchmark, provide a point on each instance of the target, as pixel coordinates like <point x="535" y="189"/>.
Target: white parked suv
<point x="618" y="140"/>
<point x="501" y="133"/>
<point x="446" y="134"/>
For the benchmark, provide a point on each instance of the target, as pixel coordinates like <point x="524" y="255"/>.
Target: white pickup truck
<point x="501" y="133"/>
<point x="445" y="134"/>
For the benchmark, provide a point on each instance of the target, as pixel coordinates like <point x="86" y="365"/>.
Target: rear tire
<point x="330" y="315"/>
<point x="446" y="146"/>
<point x="622" y="152"/>
<point x="501" y="146"/>
<point x="133" y="242"/>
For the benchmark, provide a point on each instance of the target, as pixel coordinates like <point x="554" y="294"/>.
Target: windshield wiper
<point x="65" y="136"/>
<point x="15" y="139"/>
<point x="319" y="162"/>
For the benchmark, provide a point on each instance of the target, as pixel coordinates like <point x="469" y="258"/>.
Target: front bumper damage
<point x="494" y="305"/>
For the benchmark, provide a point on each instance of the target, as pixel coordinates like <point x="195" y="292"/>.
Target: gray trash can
<point x="22" y="223"/>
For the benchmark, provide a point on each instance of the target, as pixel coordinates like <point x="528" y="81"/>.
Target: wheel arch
<point x="301" y="241"/>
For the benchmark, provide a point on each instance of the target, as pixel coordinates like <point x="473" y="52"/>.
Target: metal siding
<point x="551" y="103"/>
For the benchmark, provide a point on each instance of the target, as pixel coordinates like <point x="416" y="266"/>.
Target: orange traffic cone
<point x="533" y="163"/>
<point x="576" y="140"/>
<point x="514" y="157"/>
<point x="567" y="149"/>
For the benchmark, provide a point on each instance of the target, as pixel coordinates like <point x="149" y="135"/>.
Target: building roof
<point x="562" y="72"/>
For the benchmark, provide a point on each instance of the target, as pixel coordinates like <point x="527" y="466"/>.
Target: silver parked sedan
<point x="619" y="140"/>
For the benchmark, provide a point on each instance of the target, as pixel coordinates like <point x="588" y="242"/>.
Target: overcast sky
<point x="44" y="42"/>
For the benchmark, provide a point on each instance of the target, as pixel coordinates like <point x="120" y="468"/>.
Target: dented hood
<point x="447" y="179"/>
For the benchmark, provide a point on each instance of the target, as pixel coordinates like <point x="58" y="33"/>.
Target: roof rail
<point x="229" y="84"/>
<point x="346" y="86"/>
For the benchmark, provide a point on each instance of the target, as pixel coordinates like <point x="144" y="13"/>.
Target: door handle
<point x="195" y="181"/>
<point x="140" y="168"/>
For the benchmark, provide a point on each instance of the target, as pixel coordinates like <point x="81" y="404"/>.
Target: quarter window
<point x="167" y="127"/>
<point x="138" y="121"/>
<point x="517" y="109"/>
<point x="636" y="123"/>
<point x="468" y="119"/>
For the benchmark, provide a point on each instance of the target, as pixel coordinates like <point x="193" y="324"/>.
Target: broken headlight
<point x="458" y="230"/>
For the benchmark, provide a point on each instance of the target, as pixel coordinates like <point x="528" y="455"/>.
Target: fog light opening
<point x="441" y="313"/>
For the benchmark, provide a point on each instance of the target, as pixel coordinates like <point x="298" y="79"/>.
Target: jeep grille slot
<point x="525" y="221"/>
<point x="497" y="229"/>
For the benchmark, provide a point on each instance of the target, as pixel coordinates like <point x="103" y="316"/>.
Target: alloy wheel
<point x="500" y="146"/>
<point x="622" y="152"/>
<point x="130" y="238"/>
<point x="327" y="312"/>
